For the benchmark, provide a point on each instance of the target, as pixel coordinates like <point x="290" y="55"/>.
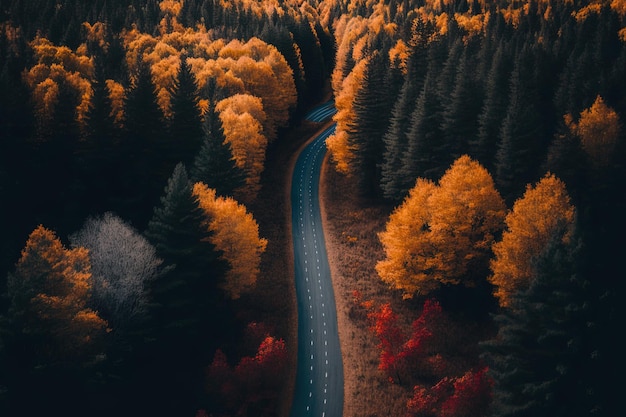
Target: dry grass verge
<point x="351" y="226"/>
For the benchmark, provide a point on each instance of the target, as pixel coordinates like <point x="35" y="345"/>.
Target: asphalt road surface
<point x="319" y="378"/>
<point x="322" y="112"/>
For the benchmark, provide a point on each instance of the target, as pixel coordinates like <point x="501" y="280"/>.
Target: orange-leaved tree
<point x="235" y="233"/>
<point x="542" y="214"/>
<point x="442" y="234"/>
<point x="599" y="130"/>
<point x="406" y="243"/>
<point x="265" y="74"/>
<point x="338" y="144"/>
<point x="58" y="70"/>
<point x="49" y="292"/>
<point x="242" y="117"/>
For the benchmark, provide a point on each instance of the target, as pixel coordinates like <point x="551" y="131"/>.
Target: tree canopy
<point x="442" y="233"/>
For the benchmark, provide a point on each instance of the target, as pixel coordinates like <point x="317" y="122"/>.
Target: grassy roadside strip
<point x="350" y="230"/>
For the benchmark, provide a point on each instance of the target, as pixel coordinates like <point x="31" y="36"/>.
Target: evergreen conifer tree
<point x="423" y="157"/>
<point x="459" y="117"/>
<point x="185" y="302"/>
<point x="214" y="164"/>
<point x="493" y="110"/>
<point x="143" y="150"/>
<point x="186" y="122"/>
<point x="541" y="360"/>
<point x="98" y="148"/>
<point x="371" y="107"/>
<point x="520" y="144"/>
<point x="396" y="143"/>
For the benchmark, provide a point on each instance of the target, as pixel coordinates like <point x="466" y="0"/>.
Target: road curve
<point x="319" y="375"/>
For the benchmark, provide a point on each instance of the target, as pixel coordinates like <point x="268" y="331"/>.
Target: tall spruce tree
<point x="98" y="148"/>
<point x="312" y="58"/>
<point x="186" y="316"/>
<point x="493" y="109"/>
<point x="214" y="164"/>
<point x="459" y="117"/>
<point x="542" y="360"/>
<point x="176" y="230"/>
<point x="447" y="75"/>
<point x="142" y="148"/>
<point x="424" y="155"/>
<point x="371" y="107"/>
<point x="396" y="142"/>
<point x="521" y="144"/>
<point x="185" y="127"/>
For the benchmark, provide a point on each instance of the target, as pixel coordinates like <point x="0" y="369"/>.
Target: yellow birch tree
<point x="543" y="213"/>
<point x="236" y="234"/>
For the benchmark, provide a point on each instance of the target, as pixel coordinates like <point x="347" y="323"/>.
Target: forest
<point x="144" y="148"/>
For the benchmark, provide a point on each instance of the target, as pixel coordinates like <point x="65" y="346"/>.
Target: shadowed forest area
<point x="144" y="155"/>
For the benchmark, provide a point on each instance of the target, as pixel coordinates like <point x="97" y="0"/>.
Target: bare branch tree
<point x="122" y="262"/>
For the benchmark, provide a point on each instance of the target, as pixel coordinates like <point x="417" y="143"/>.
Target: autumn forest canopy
<point x="136" y="147"/>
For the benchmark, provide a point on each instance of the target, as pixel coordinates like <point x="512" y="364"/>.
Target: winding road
<point x="319" y="375"/>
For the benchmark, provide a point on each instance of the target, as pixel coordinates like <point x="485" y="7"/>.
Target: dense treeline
<point x="132" y="138"/>
<point x="496" y="129"/>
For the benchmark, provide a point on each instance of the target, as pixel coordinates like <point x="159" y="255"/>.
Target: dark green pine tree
<point x="312" y="59"/>
<point x="447" y="75"/>
<point x="396" y="143"/>
<point x="421" y="51"/>
<point x="521" y="146"/>
<point x="186" y="123"/>
<point x="143" y="149"/>
<point x="542" y="359"/>
<point x="424" y="156"/>
<point x="60" y="183"/>
<point x="98" y="147"/>
<point x="493" y="110"/>
<point x="186" y="311"/>
<point x="372" y="106"/>
<point x="566" y="159"/>
<point x="459" y="122"/>
<point x="214" y="164"/>
<point x="283" y="40"/>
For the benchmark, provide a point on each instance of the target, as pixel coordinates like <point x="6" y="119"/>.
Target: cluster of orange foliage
<point x="58" y="67"/>
<point x="598" y="129"/>
<point x="441" y="230"/>
<point x="235" y="233"/>
<point x="242" y="118"/>
<point x="253" y="76"/>
<point x="542" y="214"/>
<point x="50" y="287"/>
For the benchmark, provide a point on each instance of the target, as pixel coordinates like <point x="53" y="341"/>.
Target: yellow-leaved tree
<point x="242" y="117"/>
<point x="338" y="145"/>
<point x="542" y="214"/>
<point x="56" y="68"/>
<point x="442" y="233"/>
<point x="49" y="292"/>
<point x="265" y="74"/>
<point x="599" y="130"/>
<point x="405" y="242"/>
<point x="234" y="232"/>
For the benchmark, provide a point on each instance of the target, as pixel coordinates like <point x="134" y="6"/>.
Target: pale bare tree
<point x="122" y="263"/>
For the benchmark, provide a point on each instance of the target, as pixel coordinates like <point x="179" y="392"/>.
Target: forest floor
<point x="351" y="227"/>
